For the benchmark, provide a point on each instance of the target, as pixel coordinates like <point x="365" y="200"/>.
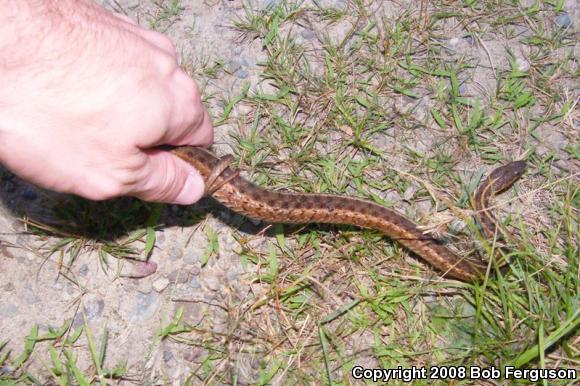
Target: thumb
<point x="169" y="179"/>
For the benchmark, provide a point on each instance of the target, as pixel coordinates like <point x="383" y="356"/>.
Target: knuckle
<point x="166" y="64"/>
<point x="206" y="136"/>
<point x="196" y="119"/>
<point x="187" y="85"/>
<point x="190" y="117"/>
<point x="193" y="89"/>
<point x="195" y="110"/>
<point x="166" y="44"/>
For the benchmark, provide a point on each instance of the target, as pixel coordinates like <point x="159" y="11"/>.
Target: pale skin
<point x="86" y="99"/>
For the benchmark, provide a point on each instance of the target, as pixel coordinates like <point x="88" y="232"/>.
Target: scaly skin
<point x="226" y="186"/>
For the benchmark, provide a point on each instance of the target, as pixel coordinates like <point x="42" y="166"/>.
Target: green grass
<point x="382" y="112"/>
<point x="165" y="14"/>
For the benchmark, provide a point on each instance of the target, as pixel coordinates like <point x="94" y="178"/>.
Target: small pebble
<point x="8" y="287"/>
<point x="194" y="283"/>
<point x="522" y="64"/>
<point x="191" y="257"/>
<point x="4" y="251"/>
<point x="58" y="286"/>
<point x="457" y="225"/>
<point x="409" y="192"/>
<point x="160" y="284"/>
<point x="242" y="73"/>
<point x="423" y="207"/>
<point x="234" y="65"/>
<point x="132" y="4"/>
<point x="178" y="276"/>
<point x="255" y="363"/>
<point x="139" y="269"/>
<point x="308" y="34"/>
<point x="22" y="240"/>
<point x="563" y="165"/>
<point x="212" y="283"/>
<point x="174" y="253"/>
<point x="145" y="286"/>
<point x="247" y="62"/>
<point x="167" y="356"/>
<point x="393" y="196"/>
<point x="563" y="20"/>
<point x="93" y="308"/>
<point x="83" y="270"/>
<point x="195" y="270"/>
<point x="146" y="305"/>
<point x="6" y="369"/>
<point x="454" y="41"/>
<point x="237" y="50"/>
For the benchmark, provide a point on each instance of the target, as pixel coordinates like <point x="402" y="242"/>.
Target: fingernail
<point x="192" y="190"/>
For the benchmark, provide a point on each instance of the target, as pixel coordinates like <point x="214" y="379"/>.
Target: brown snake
<point x="227" y="187"/>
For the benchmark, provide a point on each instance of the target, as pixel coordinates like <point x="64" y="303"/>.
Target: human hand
<point x="86" y="96"/>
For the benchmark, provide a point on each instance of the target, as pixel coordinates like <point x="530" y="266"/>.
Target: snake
<point x="226" y="186"/>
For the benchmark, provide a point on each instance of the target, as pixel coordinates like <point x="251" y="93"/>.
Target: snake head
<point x="503" y="177"/>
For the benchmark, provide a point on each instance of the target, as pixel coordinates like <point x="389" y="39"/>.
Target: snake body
<point x="246" y="198"/>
